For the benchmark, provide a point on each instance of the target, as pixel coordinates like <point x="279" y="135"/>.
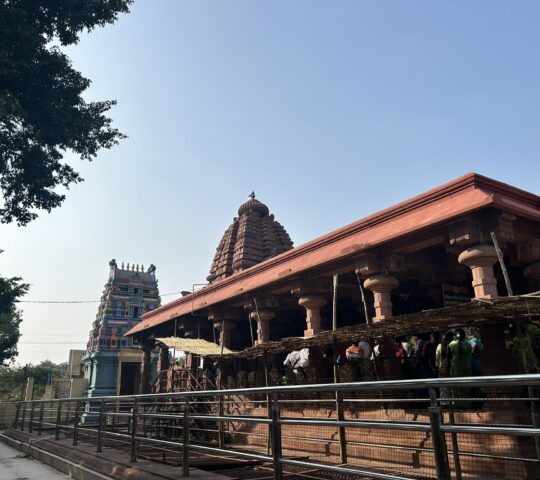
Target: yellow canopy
<point x="197" y="346"/>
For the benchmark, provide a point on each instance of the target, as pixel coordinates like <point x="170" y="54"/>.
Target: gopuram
<point x="112" y="363"/>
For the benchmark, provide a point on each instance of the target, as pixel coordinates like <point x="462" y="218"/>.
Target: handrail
<point x="417" y="384"/>
<point x="191" y="414"/>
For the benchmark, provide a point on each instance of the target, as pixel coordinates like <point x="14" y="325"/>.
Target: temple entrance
<point x="129" y="378"/>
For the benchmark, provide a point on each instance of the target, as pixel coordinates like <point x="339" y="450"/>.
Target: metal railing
<point x="447" y="422"/>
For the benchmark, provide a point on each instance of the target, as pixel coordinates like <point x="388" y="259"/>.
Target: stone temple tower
<point x="112" y="362"/>
<point x="252" y="237"/>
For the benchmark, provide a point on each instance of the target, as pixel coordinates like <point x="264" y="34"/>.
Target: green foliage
<point x="13" y="379"/>
<point x="10" y="317"/>
<point x="42" y="112"/>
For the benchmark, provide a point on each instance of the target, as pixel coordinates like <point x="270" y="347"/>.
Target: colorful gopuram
<point x="112" y="363"/>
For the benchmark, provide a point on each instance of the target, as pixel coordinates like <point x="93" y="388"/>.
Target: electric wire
<point x="84" y="301"/>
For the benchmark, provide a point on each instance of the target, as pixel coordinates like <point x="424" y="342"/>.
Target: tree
<point x="13" y="380"/>
<point x="42" y="112"/>
<point x="10" y="317"/>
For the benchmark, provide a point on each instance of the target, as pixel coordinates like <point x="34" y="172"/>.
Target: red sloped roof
<point x="458" y="197"/>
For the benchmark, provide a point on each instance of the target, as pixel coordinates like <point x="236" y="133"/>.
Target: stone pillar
<point x="163" y="360"/>
<point x="262" y="317"/>
<point x="146" y="366"/>
<point x="381" y="286"/>
<point x="480" y="259"/>
<point x="224" y="328"/>
<point x="312" y="303"/>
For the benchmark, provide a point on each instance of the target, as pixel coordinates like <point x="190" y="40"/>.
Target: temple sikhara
<point x="111" y="362"/>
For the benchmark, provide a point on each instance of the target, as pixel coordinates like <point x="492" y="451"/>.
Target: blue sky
<point x="328" y="110"/>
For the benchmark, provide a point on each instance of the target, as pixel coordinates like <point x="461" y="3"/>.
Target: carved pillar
<point x="146" y="366"/>
<point x="381" y="286"/>
<point x="480" y="259"/>
<point x="262" y="317"/>
<point x="312" y="303"/>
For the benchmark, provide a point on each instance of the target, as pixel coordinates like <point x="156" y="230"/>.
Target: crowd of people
<point x="453" y="354"/>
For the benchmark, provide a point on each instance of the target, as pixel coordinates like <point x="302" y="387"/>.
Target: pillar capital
<point x="381" y="283"/>
<point x="381" y="286"/>
<point x="262" y="317"/>
<point x="224" y="323"/>
<point x="312" y="302"/>
<point x="480" y="259"/>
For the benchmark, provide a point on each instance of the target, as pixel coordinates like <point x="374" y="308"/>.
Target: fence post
<point x="439" y="444"/>
<point x="276" y="439"/>
<point x="100" y="425"/>
<point x="17" y="414"/>
<point x="40" y="424"/>
<point x="221" y="424"/>
<point x="23" y="416"/>
<point x="58" y="420"/>
<point x="76" y="422"/>
<point x="30" y="424"/>
<point x="185" y="440"/>
<point x="134" y="431"/>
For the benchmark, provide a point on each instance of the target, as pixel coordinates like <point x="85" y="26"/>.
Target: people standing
<point x="442" y="355"/>
<point x="427" y="360"/>
<point x="460" y="355"/>
<point x="401" y="356"/>
<point x="460" y="361"/>
<point x="477" y="350"/>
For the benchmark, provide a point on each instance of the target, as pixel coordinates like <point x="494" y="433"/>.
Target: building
<point x="112" y="363"/>
<point x="408" y="258"/>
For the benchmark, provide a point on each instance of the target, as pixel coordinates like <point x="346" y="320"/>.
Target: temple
<point x="112" y="363"/>
<point x="461" y="259"/>
<point x="428" y="252"/>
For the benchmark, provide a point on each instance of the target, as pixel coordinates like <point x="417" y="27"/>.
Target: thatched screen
<point x="475" y="313"/>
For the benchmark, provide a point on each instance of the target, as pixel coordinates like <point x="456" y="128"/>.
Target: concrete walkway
<point x="15" y="466"/>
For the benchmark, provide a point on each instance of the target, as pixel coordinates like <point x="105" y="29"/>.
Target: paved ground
<point x="15" y="466"/>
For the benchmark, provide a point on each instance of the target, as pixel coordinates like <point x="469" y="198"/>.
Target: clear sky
<point x="328" y="110"/>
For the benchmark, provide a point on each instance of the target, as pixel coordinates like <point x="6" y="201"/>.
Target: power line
<point x="48" y="334"/>
<point x="83" y="301"/>
<point x="52" y="343"/>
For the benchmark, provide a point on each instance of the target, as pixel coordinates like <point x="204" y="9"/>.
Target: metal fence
<point x="471" y="427"/>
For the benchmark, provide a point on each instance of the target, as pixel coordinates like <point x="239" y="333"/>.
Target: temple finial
<point x="122" y="265"/>
<point x="252" y="195"/>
